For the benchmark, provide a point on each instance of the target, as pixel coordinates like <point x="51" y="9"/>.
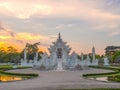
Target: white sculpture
<point x="93" y="54"/>
<point x="25" y="55"/>
<point x="95" y="62"/>
<point x="106" y="61"/>
<point x="88" y="61"/>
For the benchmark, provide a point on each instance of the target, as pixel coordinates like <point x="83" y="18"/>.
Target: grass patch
<point x="94" y="89"/>
<point x="107" y="67"/>
<point x="112" y="76"/>
<point x="6" y="67"/>
<point x="3" y="68"/>
<point x="100" y="74"/>
<point x="18" y="74"/>
<point x="10" y="67"/>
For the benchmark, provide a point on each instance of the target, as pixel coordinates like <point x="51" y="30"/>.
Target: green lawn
<point x="94" y="89"/>
<point x="112" y="76"/>
<point x="3" y="68"/>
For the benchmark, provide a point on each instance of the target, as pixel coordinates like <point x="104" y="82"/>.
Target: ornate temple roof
<point x="59" y="44"/>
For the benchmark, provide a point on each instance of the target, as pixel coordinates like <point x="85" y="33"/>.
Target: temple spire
<point x="93" y="53"/>
<point x="59" y="36"/>
<point x="93" y="49"/>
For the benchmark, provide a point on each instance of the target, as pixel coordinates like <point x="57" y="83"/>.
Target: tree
<point x="40" y="53"/>
<point x="32" y="49"/>
<point x="79" y="57"/>
<point x="11" y="49"/>
<point x="98" y="56"/>
<point x="2" y="54"/>
<point x="116" y="57"/>
<point x="9" y="55"/>
<point x="12" y="55"/>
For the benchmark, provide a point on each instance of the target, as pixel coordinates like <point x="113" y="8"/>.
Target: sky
<point x="82" y="23"/>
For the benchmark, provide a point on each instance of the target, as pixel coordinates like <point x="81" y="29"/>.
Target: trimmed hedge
<point x="94" y="89"/>
<point x="108" y="68"/>
<point x="99" y="74"/>
<point x="7" y="67"/>
<point x="112" y="76"/>
<point x="18" y="74"/>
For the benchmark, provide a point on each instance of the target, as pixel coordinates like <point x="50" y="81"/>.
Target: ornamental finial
<point x="59" y="36"/>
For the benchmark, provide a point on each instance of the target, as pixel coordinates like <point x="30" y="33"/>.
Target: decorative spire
<point x="59" y="36"/>
<point x="93" y="49"/>
<point x="93" y="53"/>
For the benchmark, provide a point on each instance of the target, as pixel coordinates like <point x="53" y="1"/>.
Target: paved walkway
<point x="52" y="80"/>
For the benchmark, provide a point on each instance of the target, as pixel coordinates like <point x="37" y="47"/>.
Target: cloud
<point x="54" y="8"/>
<point x="21" y="9"/>
<point x="108" y="26"/>
<point x="115" y="33"/>
<point x="5" y="32"/>
<point x="5" y="37"/>
<point x="29" y="36"/>
<point x="93" y="14"/>
<point x="21" y="38"/>
<point x="62" y="26"/>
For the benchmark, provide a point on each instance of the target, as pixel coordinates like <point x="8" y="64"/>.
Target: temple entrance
<point x="59" y="53"/>
<point x="59" y="61"/>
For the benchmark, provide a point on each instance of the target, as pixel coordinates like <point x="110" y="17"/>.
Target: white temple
<point x="60" y="58"/>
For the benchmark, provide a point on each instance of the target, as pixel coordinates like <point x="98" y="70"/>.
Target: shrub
<point x="114" y="78"/>
<point x="18" y="74"/>
<point x="99" y="74"/>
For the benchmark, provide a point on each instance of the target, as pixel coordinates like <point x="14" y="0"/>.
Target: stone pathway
<point x="52" y="80"/>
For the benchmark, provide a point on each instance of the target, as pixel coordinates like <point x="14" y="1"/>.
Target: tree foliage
<point x="116" y="57"/>
<point x="32" y="49"/>
<point x="9" y="55"/>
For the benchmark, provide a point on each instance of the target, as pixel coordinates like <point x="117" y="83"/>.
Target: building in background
<point x="110" y="50"/>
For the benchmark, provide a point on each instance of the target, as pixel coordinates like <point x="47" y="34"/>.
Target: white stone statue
<point x="106" y="61"/>
<point x="22" y="61"/>
<point x="88" y="61"/>
<point x="25" y="55"/>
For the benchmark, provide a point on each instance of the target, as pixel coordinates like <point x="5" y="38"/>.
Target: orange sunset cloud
<point x="19" y="40"/>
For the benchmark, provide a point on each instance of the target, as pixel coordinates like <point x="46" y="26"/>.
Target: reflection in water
<point x="9" y="78"/>
<point x="105" y="79"/>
